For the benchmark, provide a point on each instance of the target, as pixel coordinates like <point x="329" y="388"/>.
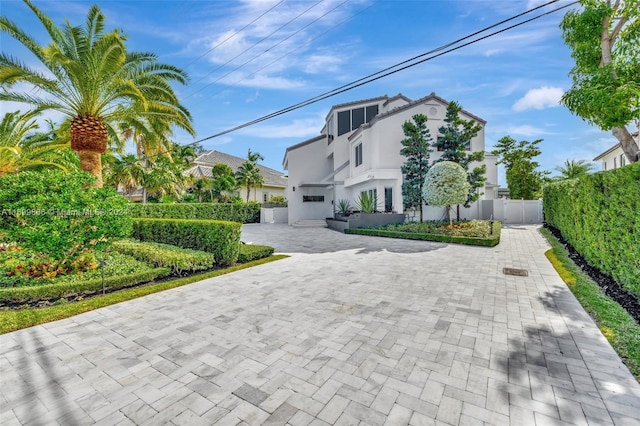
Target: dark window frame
<point x="313" y="198"/>
<point x="358" y="154"/>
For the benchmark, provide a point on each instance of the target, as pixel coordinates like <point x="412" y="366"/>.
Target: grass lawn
<point x="12" y="320"/>
<point x="622" y="331"/>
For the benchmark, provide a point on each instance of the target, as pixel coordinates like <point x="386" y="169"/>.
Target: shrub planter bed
<point x="364" y="220"/>
<point x="491" y="241"/>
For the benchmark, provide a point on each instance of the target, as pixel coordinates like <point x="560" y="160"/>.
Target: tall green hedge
<point x="222" y="238"/>
<point x="599" y="215"/>
<point x="236" y="212"/>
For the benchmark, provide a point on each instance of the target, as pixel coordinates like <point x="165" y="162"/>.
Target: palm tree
<point x="574" y="169"/>
<point x="95" y="82"/>
<point x="248" y="174"/>
<point x="22" y="149"/>
<point x="125" y="173"/>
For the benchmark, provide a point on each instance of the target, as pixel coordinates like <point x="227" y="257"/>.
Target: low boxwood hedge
<point x="249" y="252"/>
<point x="221" y="238"/>
<point x="31" y="294"/>
<point x="163" y="255"/>
<point x="491" y="241"/>
<point x="236" y="212"/>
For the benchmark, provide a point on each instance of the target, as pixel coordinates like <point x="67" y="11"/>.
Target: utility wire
<point x="300" y="46"/>
<point x="253" y="45"/>
<point x="381" y="74"/>
<point x="355" y="84"/>
<point x="235" y="33"/>
<point x="267" y="50"/>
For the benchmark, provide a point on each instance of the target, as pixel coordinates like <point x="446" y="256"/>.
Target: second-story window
<point x="358" y="154"/>
<point x="354" y="118"/>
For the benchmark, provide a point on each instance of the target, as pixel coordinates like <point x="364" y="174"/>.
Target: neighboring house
<point x="274" y="181"/>
<point x="358" y="150"/>
<point x="614" y="157"/>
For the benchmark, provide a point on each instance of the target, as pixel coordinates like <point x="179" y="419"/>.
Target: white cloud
<point x="544" y="97"/>
<point x="527" y="130"/>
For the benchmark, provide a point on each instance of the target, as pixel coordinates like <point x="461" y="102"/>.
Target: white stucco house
<point x="358" y="150"/>
<point x="615" y="157"/>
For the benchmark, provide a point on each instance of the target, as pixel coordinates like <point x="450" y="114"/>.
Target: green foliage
<point x="59" y="215"/>
<point x="416" y="147"/>
<point x="446" y="184"/>
<point x="249" y="252"/>
<point x="278" y="199"/>
<point x="248" y="174"/>
<point x="222" y="238"/>
<point x="22" y="149"/>
<point x="73" y="289"/>
<point x="236" y="212"/>
<point x="598" y="215"/>
<point x="366" y="202"/>
<point x="490" y="241"/>
<point x="456" y="145"/>
<point x="616" y="324"/>
<point x="573" y="169"/>
<point x="523" y="179"/>
<point x="90" y="73"/>
<point x="162" y="255"/>
<point x="604" y="39"/>
<point x="473" y="228"/>
<point x="344" y="206"/>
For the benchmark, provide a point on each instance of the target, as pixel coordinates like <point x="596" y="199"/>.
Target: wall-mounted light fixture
<point x="294" y="189"/>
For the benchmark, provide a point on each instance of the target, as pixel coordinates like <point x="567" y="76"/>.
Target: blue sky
<point x="512" y="80"/>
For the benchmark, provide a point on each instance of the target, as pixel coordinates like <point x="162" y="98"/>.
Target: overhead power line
<point x="401" y="66"/>
<point x="267" y="50"/>
<point x="235" y="33"/>
<point x="254" y="45"/>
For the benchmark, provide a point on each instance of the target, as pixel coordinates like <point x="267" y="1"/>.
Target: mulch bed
<point x="610" y="287"/>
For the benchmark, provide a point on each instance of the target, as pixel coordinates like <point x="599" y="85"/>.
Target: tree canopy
<point x="604" y="37"/>
<point x="446" y="184"/>
<point x="456" y="146"/>
<point x="524" y="180"/>
<point x="89" y="76"/>
<point x="416" y="147"/>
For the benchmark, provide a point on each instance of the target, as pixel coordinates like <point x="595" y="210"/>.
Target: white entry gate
<point x="518" y="212"/>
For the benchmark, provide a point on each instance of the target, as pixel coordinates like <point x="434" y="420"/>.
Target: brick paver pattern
<point x="366" y="331"/>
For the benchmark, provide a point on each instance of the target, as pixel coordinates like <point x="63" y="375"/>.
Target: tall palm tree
<point x="125" y="173"/>
<point x="22" y="149"/>
<point x="95" y="82"/>
<point x="248" y="174"/>
<point x="573" y="169"/>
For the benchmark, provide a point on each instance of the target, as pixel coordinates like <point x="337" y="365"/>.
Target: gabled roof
<point x="299" y="145"/>
<point x="410" y="105"/>
<point x="608" y="151"/>
<point x="204" y="162"/>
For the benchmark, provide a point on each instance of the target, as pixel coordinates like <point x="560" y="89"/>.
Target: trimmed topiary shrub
<point x="178" y="259"/>
<point x="222" y="238"/>
<point x="234" y="212"/>
<point x="599" y="215"/>
<point x="249" y="252"/>
<point x="446" y="184"/>
<point x="60" y="215"/>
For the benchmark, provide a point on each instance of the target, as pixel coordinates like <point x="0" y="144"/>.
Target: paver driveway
<point x="348" y="330"/>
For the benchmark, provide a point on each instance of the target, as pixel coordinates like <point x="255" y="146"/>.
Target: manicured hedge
<point x="492" y="241"/>
<point x="249" y="252"/>
<point x="163" y="255"/>
<point x="222" y="238"/>
<point x="599" y="215"/>
<point x="236" y="212"/>
<point x="32" y="294"/>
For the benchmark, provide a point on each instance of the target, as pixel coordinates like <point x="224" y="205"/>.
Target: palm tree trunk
<point x="248" y="192"/>
<point x="92" y="163"/>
